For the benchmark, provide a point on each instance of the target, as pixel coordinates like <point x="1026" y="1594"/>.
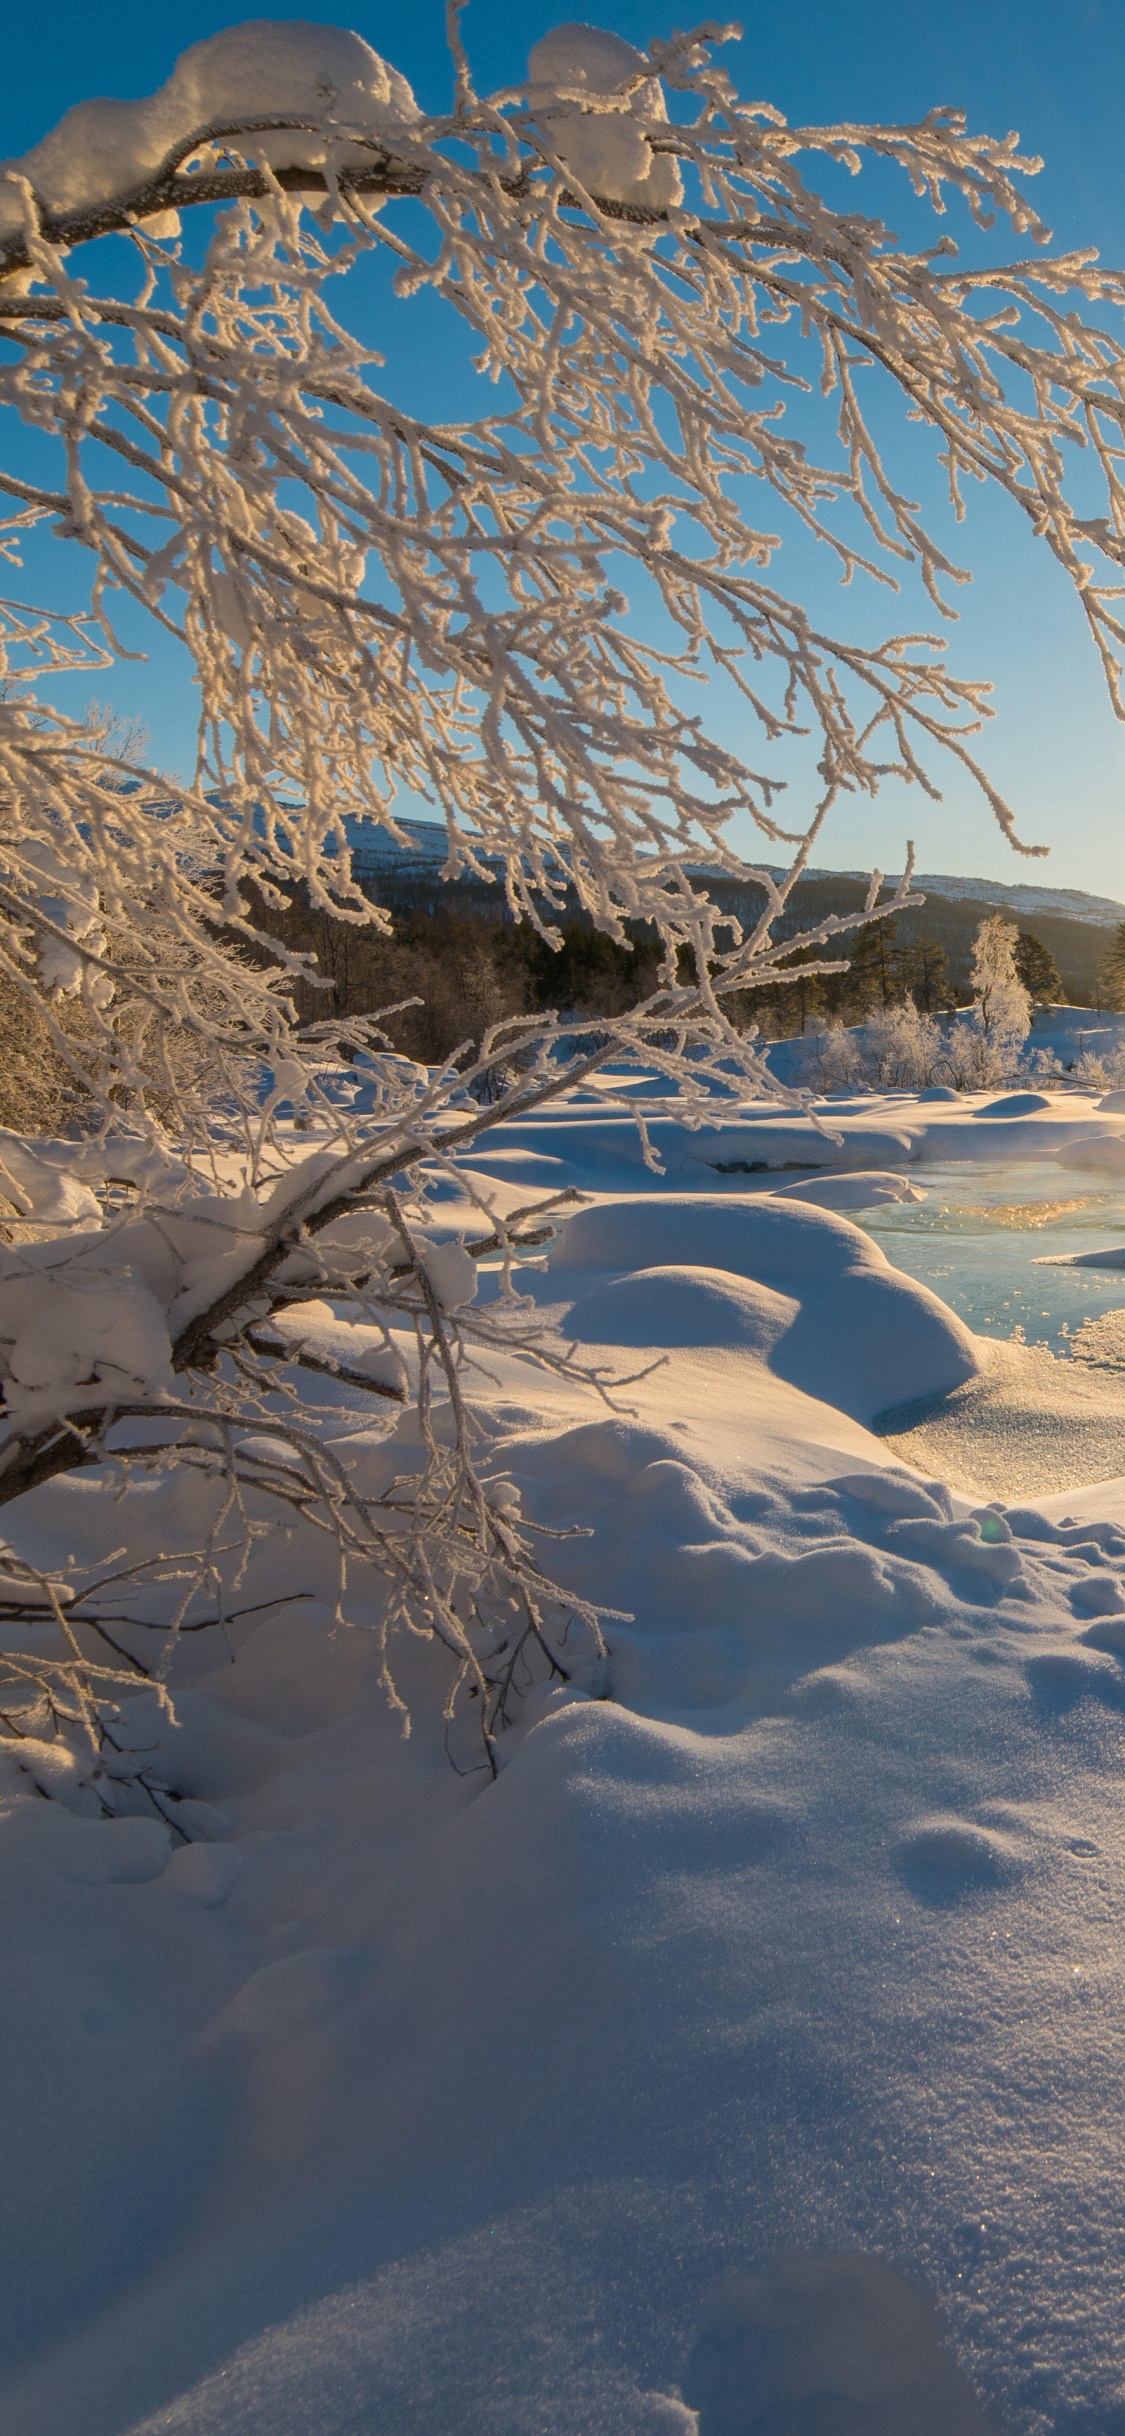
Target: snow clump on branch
<point x="265" y="69"/>
<point x="593" y="97"/>
<point x="382" y="606"/>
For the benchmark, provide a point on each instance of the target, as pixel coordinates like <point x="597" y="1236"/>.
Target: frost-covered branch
<point x="511" y="616"/>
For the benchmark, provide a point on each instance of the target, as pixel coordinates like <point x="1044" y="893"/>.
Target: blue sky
<point x="1054" y="69"/>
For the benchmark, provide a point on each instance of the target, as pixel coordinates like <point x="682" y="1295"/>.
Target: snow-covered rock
<point x="862" y="1190"/>
<point x="1103" y="1153"/>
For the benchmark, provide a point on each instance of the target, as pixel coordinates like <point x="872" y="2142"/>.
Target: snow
<point x="587" y="89"/>
<point x="75" y="1335"/>
<point x="402" y="2099"/>
<point x="268" y="67"/>
<point x="452" y="1274"/>
<point x="1026" y="900"/>
<point x="605" y="147"/>
<point x="861" y="1191"/>
<point x="856" y="1332"/>
<point x="813" y="2327"/>
<point x="1104" y="1153"/>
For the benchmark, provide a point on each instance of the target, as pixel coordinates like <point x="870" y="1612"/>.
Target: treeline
<point x="887" y="966"/>
<point x="469" y="967"/>
<point x="1077" y="949"/>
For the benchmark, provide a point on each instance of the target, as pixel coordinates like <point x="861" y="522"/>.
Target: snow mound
<point x="861" y="1190"/>
<point x="265" y="68"/>
<point x="681" y="1306"/>
<point x="863" y="1337"/>
<point x="1102" y="1153"/>
<point x="1015" y="1104"/>
<point x="593" y="99"/>
<point x="944" y="1859"/>
<point x="781" y="1243"/>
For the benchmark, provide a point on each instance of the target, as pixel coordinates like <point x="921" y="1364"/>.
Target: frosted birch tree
<point x="507" y="616"/>
<point x="985" y="1049"/>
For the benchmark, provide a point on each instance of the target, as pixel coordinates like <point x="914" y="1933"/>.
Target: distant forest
<point x="454" y="949"/>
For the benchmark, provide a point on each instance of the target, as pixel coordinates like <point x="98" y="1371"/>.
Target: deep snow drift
<point x="402" y="2100"/>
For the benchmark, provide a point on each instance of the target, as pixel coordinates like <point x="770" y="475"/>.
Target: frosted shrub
<point x="905" y="1050"/>
<point x="899" y="1049"/>
<point x="1044" y="1068"/>
<point x="836" y="1061"/>
<point x="377" y="602"/>
<point x="1097" y="1070"/>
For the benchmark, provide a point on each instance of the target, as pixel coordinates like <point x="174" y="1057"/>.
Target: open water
<point x="981" y="1231"/>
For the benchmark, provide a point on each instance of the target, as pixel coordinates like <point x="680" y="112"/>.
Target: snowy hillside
<point x="1024" y="899"/>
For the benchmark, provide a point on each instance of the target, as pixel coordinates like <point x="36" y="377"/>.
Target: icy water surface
<point x="979" y="1232"/>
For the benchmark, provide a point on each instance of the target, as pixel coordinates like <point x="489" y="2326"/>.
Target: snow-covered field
<point x="404" y="2101"/>
<point x="352" y="2084"/>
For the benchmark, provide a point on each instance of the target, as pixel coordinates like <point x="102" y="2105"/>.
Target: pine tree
<point x="1037" y="970"/>
<point x="1111" y="973"/>
<point x="874" y="977"/>
<point x="925" y="972"/>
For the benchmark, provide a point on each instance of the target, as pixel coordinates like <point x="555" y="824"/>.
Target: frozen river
<point x="982" y="1231"/>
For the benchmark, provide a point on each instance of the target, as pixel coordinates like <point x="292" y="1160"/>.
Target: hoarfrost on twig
<point x="376" y="603"/>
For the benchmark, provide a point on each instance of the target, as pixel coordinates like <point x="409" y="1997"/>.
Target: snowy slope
<point x="1023" y="896"/>
<point x="1026" y="899"/>
<point x="405" y="2101"/>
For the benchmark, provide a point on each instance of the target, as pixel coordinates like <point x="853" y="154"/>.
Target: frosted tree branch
<point x="512" y="616"/>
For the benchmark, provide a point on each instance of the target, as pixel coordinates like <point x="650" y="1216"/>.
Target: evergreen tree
<point x="792" y="1006"/>
<point x="874" y="978"/>
<point x="925" y="975"/>
<point x="1111" y="972"/>
<point x="1036" y="968"/>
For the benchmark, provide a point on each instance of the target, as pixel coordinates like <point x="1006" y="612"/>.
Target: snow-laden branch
<point x="376" y="602"/>
<point x="511" y="615"/>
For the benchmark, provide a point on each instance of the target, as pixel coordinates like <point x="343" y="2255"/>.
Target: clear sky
<point x="1054" y="69"/>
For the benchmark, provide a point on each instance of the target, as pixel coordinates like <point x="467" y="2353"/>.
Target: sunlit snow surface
<point x="406" y="2102"/>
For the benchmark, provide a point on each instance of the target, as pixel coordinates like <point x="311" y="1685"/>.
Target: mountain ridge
<point x="427" y="845"/>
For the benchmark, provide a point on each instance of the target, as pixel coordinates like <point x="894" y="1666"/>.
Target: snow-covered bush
<point x="899" y="1049"/>
<point x="905" y="1049"/>
<point x="836" y="1061"/>
<point x="377" y="602"/>
<point x="1098" y="1071"/>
